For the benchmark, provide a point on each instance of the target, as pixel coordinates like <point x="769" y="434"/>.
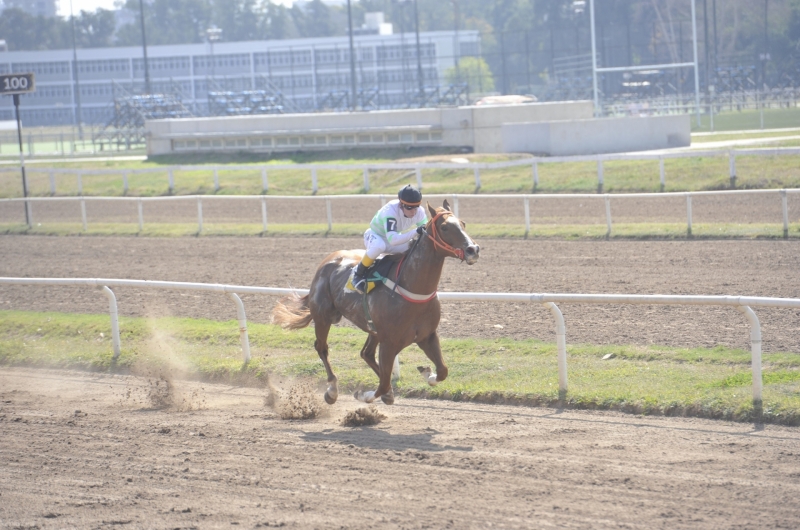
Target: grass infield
<point x="713" y="383"/>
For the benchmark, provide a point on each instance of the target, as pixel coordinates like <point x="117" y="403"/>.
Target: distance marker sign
<point x="16" y="83"/>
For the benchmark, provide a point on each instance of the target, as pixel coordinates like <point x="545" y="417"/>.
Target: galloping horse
<point x="406" y="311"/>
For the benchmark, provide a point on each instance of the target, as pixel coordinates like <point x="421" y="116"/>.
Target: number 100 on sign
<point x="16" y="83"/>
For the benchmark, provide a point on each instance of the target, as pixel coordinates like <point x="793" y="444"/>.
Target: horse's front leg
<point x="368" y="353"/>
<point x="385" y="368"/>
<point x="430" y="345"/>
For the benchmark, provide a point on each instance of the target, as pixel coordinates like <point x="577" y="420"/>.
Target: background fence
<point x="418" y="167"/>
<point x="781" y="204"/>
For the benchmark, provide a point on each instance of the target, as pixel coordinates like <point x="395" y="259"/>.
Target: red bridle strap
<point x="439" y="243"/>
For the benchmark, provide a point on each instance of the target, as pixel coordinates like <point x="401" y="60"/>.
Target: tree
<point x="94" y="29"/>
<point x="314" y="20"/>
<point x="22" y="31"/>
<point x="474" y="71"/>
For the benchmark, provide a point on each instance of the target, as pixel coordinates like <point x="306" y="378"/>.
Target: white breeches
<point x="376" y="245"/>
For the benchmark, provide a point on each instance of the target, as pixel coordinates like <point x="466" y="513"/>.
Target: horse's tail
<point x="291" y="312"/>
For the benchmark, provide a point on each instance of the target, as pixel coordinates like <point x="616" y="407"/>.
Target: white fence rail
<point x="742" y="303"/>
<point x="417" y="168"/>
<point x="780" y="194"/>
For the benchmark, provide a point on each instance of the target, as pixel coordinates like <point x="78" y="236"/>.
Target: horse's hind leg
<point x="433" y="350"/>
<point x="321" y="345"/>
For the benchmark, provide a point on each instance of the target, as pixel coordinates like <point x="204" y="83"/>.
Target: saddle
<point x="378" y="271"/>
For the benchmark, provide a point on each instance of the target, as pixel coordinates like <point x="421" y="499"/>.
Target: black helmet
<point x="410" y="195"/>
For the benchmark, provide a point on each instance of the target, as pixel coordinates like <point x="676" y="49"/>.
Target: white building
<point x="304" y="71"/>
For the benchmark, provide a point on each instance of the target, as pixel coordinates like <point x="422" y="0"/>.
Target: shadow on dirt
<point x="370" y="438"/>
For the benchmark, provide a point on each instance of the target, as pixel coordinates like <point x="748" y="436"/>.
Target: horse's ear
<point x="431" y="210"/>
<point x="447" y="206"/>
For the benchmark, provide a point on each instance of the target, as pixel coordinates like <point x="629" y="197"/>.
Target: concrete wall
<point x="596" y="136"/>
<point x="479" y="128"/>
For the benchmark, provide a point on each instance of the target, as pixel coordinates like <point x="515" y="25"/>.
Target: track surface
<point x="756" y="268"/>
<point x="90" y="451"/>
<point x="85" y="451"/>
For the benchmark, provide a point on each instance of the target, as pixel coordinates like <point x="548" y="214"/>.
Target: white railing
<point x="742" y="303"/>
<point x="781" y="194"/>
<point x="365" y="169"/>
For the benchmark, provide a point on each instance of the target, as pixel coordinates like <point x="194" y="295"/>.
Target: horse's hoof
<point x="428" y="374"/>
<point x="330" y="400"/>
<point x="388" y="399"/>
<point x="364" y="397"/>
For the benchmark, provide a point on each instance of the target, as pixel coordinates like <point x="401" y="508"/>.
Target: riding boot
<point x="360" y="278"/>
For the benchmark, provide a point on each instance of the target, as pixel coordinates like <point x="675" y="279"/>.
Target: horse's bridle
<point x="438" y="242"/>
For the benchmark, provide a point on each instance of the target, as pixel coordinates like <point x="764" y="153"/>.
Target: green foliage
<point x="474" y="71"/>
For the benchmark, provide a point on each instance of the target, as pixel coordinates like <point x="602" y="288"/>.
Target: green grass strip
<point x="477" y="230"/>
<point x="707" y="382"/>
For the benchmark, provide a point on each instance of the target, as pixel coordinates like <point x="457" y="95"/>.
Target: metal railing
<point x="781" y="194"/>
<point x="417" y="168"/>
<point x="742" y="304"/>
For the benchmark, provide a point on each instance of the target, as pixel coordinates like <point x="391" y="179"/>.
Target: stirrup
<point x="360" y="285"/>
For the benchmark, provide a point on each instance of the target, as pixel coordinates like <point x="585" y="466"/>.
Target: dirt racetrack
<point x="756" y="268"/>
<point x="84" y="450"/>
<point x="92" y="451"/>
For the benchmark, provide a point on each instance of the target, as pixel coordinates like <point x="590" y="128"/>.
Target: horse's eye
<point x="444" y="227"/>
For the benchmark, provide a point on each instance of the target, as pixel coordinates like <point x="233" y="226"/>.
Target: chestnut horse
<point x="402" y="313"/>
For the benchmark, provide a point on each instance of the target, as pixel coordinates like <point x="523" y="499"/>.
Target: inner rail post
<point x="732" y="167"/>
<point x="171" y="184"/>
<point x="264" y="214"/>
<point x="418" y="173"/>
<point x="314" y="187"/>
<point x="662" y="175"/>
<point x="52" y="183"/>
<point x="264" y="184"/>
<point x="535" y="176"/>
<point x="561" y="343"/>
<point x="112" y="307"/>
<point x="243" y="337"/>
<point x="216" y="179"/>
<point x="199" y="216"/>
<point x="83" y="214"/>
<point x="477" y="178"/>
<point x="366" y="178"/>
<point x="785" y="208"/>
<point x="608" y="215"/>
<point x="689" y="214"/>
<point x="599" y="175"/>
<point x="527" y="216"/>
<point x="755" y="355"/>
<point x="140" y="208"/>
<point x="329" y="211"/>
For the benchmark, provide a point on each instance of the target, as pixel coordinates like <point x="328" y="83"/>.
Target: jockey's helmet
<point x="410" y="195"/>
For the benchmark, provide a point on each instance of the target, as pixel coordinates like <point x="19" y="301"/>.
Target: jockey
<point x="391" y="230"/>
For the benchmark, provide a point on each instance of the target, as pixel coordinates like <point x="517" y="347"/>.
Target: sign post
<point x="14" y="85"/>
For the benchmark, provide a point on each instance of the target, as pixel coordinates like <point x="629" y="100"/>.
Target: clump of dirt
<point x="301" y="402"/>
<point x="363" y="416"/>
<point x="159" y="392"/>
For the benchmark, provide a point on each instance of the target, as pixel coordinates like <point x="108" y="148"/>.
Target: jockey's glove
<point x="421" y="229"/>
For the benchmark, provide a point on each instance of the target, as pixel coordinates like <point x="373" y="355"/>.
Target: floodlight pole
<point x="594" y="62"/>
<point x="353" y="95"/>
<point x="696" y="69"/>
<point x="144" y="50"/>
